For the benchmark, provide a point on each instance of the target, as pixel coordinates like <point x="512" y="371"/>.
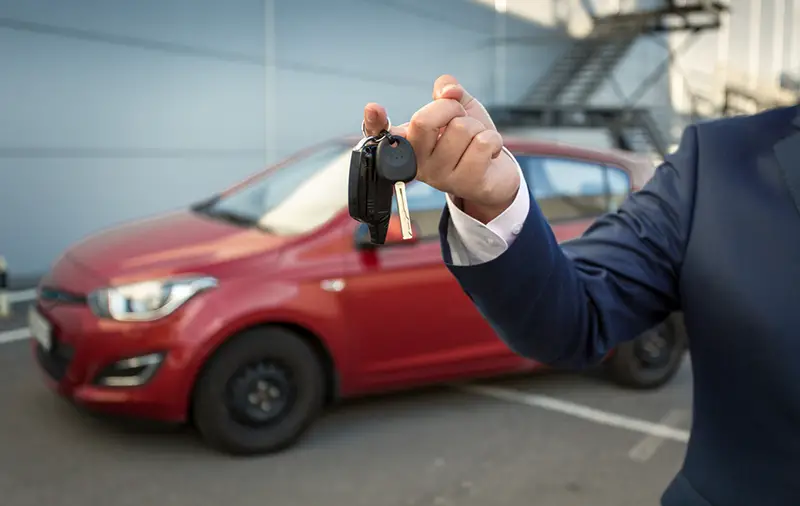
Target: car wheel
<point x="650" y="360"/>
<point x="259" y="392"/>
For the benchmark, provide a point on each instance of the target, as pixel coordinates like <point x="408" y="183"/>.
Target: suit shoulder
<point x="721" y="143"/>
<point x="766" y="125"/>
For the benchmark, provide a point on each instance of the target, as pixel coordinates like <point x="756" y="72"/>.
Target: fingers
<point x="425" y="124"/>
<point x="376" y="120"/>
<point x="453" y="142"/>
<point x="445" y="87"/>
<point x="448" y="87"/>
<point x="472" y="169"/>
<point x="457" y="147"/>
<point x="484" y="146"/>
<point x="401" y="130"/>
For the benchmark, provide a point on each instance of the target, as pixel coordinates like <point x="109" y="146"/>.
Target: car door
<point x="571" y="192"/>
<point x="409" y="318"/>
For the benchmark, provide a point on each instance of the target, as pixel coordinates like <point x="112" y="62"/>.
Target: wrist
<point x="484" y="213"/>
<point x="508" y="183"/>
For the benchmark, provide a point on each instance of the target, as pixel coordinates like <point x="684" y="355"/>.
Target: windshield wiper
<point x="235" y="218"/>
<point x="203" y="205"/>
<point x="231" y="217"/>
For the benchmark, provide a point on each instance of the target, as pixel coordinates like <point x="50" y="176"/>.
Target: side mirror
<point x="394" y="235"/>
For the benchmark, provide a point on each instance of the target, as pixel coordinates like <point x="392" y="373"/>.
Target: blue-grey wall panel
<point x="79" y="94"/>
<point x="114" y="110"/>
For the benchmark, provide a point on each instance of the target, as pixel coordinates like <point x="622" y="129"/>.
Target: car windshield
<point x="293" y="199"/>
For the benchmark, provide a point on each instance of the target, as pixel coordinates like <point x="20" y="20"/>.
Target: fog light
<point x="130" y="372"/>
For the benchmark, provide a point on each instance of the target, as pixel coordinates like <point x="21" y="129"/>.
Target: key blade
<point x="402" y="210"/>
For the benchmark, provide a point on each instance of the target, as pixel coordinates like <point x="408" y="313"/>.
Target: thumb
<point x="447" y="86"/>
<point x="376" y="120"/>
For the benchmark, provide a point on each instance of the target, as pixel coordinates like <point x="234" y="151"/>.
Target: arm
<point x="570" y="304"/>
<point x="471" y="242"/>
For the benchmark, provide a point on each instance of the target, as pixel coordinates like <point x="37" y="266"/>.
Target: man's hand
<point x="458" y="149"/>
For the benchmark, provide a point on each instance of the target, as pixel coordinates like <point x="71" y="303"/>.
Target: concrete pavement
<point x="438" y="446"/>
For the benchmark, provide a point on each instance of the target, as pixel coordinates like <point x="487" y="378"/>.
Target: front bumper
<point x="85" y="350"/>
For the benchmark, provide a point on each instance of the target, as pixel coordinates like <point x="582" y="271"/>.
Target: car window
<point x="295" y="198"/>
<point x="568" y="189"/>
<point x="619" y="186"/>
<point x="425" y="204"/>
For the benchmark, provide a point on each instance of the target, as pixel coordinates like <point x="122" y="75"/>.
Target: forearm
<point x="571" y="304"/>
<point x="534" y="298"/>
<point x="517" y="294"/>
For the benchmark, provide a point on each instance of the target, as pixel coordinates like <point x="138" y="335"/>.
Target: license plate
<point x="40" y="329"/>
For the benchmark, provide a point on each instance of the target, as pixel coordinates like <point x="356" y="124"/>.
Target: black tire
<point x="632" y="367"/>
<point x="223" y="405"/>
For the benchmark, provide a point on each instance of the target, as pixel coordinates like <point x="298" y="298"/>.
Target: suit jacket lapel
<point x="787" y="151"/>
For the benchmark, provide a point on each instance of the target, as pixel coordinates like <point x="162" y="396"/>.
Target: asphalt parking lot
<point x="550" y="439"/>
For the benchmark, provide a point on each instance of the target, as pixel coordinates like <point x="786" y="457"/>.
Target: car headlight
<point x="147" y="300"/>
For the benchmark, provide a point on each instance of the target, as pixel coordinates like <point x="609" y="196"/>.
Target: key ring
<point x="388" y="128"/>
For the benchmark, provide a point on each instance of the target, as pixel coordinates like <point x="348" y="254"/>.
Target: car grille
<point x="56" y="361"/>
<point x="58" y="296"/>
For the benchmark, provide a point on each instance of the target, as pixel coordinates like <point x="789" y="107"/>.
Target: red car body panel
<point x="402" y="320"/>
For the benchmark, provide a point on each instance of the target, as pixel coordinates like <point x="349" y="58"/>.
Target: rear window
<point x="571" y="189"/>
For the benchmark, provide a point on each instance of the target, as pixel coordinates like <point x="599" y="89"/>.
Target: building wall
<point x="114" y="110"/>
<point x="759" y="40"/>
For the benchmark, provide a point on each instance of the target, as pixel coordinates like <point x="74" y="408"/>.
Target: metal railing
<point x="725" y="90"/>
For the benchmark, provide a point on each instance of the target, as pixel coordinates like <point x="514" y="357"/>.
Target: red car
<point x="247" y="313"/>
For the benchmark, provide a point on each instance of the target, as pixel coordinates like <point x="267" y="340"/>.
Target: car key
<point x="369" y="195"/>
<point x="396" y="163"/>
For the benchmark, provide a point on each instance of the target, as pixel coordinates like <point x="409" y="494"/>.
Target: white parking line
<point x="647" y="447"/>
<point x="656" y="432"/>
<point x="9" y="336"/>
<point x="21" y="296"/>
<point x="597" y="416"/>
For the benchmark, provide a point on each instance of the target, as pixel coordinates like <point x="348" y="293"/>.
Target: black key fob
<point x="396" y="161"/>
<point x="356" y="190"/>
<point x="369" y="195"/>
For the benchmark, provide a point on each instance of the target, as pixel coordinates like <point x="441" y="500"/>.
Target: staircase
<point x="742" y="98"/>
<point x="631" y="129"/>
<point x="574" y="78"/>
<point x="639" y="131"/>
<point x="727" y="91"/>
<point x="561" y="97"/>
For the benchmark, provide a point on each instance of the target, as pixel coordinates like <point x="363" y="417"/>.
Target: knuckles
<point x="464" y="126"/>
<point x="475" y="177"/>
<point x="419" y="122"/>
<point x="488" y="141"/>
<point x="470" y="176"/>
<point x="458" y="125"/>
<point x="436" y="115"/>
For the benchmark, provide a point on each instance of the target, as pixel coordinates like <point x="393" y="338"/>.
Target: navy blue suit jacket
<point x="716" y="234"/>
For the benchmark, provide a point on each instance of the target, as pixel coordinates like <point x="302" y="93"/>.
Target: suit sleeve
<point x="568" y="305"/>
<point x="470" y="242"/>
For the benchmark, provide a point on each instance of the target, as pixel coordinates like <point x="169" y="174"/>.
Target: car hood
<point x="167" y="245"/>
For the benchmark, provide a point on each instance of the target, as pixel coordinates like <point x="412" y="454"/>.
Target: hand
<point x="458" y="149"/>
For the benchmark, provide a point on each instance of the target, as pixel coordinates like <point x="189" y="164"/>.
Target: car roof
<point x="640" y="166"/>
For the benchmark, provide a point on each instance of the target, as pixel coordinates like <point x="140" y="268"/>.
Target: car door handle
<point x="332" y="285"/>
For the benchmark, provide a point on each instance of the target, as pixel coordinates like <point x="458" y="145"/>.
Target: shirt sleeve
<point x="471" y="242"/>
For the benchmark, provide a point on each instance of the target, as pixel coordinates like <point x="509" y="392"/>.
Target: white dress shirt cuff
<point x="471" y="242"/>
